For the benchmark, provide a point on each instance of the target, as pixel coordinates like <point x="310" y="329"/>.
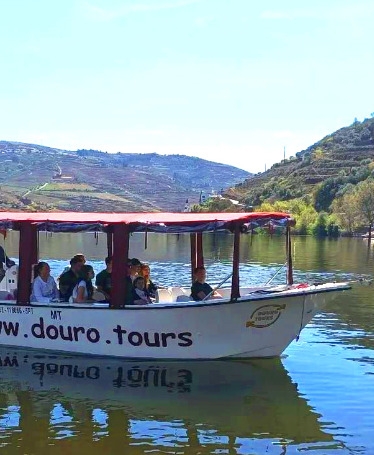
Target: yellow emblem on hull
<point x="265" y="315"/>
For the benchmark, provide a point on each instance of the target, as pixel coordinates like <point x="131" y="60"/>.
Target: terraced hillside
<point x="36" y="177"/>
<point x="346" y="156"/>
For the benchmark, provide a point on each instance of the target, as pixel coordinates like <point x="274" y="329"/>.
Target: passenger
<point x="2" y="272"/>
<point x="4" y="259"/>
<point x="44" y="288"/>
<point x="80" y="257"/>
<point x="200" y="289"/>
<point x="133" y="268"/>
<point x="104" y="279"/>
<point x="83" y="290"/>
<point x="69" y="279"/>
<point x="140" y="297"/>
<point x="149" y="287"/>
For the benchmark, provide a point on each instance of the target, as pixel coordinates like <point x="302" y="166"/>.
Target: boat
<point x="245" y="322"/>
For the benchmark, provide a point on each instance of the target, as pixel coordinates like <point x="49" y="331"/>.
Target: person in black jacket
<point x="4" y="260"/>
<point x="68" y="280"/>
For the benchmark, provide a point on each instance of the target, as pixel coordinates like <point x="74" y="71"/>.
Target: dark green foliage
<point x="319" y="228"/>
<point x="303" y="230"/>
<point x="333" y="229"/>
<point x="333" y="187"/>
<point x="325" y="194"/>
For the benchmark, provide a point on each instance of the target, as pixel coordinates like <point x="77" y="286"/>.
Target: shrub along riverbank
<point x="349" y="214"/>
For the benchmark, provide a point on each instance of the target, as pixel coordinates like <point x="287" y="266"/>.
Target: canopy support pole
<point x="109" y="242"/>
<point x="193" y="255"/>
<point x="199" y="250"/>
<point x="235" y="294"/>
<point x="197" y="255"/>
<point x="28" y="256"/>
<point x="121" y="236"/>
<point x="289" y="256"/>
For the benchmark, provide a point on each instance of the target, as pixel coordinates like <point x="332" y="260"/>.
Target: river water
<point x="318" y="397"/>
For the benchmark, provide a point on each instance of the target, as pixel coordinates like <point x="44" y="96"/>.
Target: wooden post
<point x="121" y="237"/>
<point x="199" y="250"/>
<point x="289" y="256"/>
<point x="28" y="256"/>
<point x="235" y="264"/>
<point x="193" y="255"/>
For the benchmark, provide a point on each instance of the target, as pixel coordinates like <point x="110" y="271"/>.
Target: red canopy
<point x="167" y="218"/>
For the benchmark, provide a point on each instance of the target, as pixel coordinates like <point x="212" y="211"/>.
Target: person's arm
<point x="37" y="291"/>
<point x="201" y="295"/>
<point x="200" y="290"/>
<point x="64" y="284"/>
<point x="55" y="294"/>
<point x="100" y="284"/>
<point x="207" y="290"/>
<point x="213" y="294"/>
<point x="105" y="294"/>
<point x="129" y="297"/>
<point x="82" y="289"/>
<point x="140" y="302"/>
<point x="152" y="288"/>
<point x="137" y="299"/>
<point x="101" y="289"/>
<point x="4" y="258"/>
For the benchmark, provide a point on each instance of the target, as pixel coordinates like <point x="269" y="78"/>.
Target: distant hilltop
<point x="35" y="177"/>
<point x="319" y="174"/>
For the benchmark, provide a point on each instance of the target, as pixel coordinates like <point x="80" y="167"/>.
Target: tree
<point x="365" y="203"/>
<point x="325" y="193"/>
<point x="301" y="209"/>
<point x="346" y="211"/>
<point x="320" y="226"/>
<point x="216" y="205"/>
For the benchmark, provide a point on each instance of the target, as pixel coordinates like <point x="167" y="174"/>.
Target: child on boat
<point x="140" y="295"/>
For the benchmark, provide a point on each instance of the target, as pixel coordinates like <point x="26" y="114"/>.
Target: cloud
<point x="203" y="21"/>
<point x="291" y="15"/>
<point x="104" y="14"/>
<point x="353" y="10"/>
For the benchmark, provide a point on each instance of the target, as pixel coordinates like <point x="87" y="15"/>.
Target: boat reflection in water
<point x="96" y="404"/>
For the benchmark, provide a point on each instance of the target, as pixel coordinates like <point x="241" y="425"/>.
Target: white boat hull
<point x="257" y="325"/>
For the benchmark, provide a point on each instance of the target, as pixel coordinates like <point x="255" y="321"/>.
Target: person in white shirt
<point x="44" y="288"/>
<point x="84" y="289"/>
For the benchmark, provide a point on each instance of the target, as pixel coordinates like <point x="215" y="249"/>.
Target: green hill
<point x="319" y="174"/>
<point x="34" y="177"/>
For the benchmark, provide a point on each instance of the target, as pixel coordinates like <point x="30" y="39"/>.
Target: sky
<point x="232" y="81"/>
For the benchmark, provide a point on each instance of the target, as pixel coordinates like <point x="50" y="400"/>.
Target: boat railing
<point x="172" y="294"/>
